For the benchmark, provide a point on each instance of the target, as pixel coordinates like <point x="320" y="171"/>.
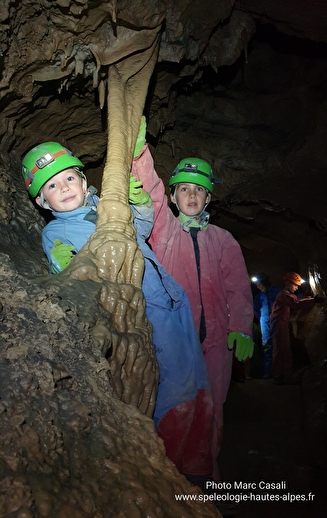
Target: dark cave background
<point x="244" y="87"/>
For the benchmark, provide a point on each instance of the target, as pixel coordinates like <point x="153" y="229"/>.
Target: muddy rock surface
<point x="69" y="446"/>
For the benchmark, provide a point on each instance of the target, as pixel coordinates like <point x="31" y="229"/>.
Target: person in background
<point x="285" y="302"/>
<point x="263" y="303"/>
<point x="183" y="412"/>
<point x="208" y="262"/>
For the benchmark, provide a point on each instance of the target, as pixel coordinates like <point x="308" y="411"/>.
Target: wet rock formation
<point x="69" y="446"/>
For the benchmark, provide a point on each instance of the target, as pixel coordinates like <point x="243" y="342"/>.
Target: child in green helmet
<point x="184" y="410"/>
<point x="207" y="261"/>
<point x="55" y="178"/>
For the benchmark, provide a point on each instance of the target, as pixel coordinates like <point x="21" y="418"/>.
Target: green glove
<point x="244" y="345"/>
<point x="61" y="255"/>
<point x="140" y="141"/>
<point x="137" y="195"/>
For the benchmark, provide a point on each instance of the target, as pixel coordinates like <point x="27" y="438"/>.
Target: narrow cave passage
<point x="276" y="434"/>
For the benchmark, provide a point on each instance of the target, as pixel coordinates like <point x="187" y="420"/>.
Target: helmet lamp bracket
<point x="190" y="168"/>
<point x="44" y="160"/>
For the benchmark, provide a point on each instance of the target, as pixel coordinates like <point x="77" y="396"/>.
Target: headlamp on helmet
<point x="293" y="277"/>
<point x="44" y="160"/>
<point x="194" y="170"/>
<point x="260" y="277"/>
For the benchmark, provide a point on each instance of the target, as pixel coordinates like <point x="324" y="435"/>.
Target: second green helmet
<point x="43" y="162"/>
<point x="193" y="170"/>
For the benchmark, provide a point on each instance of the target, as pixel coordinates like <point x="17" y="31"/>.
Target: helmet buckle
<point x="44" y="160"/>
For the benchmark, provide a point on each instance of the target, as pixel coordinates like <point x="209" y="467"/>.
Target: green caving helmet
<point x="193" y="170"/>
<point x="43" y="162"/>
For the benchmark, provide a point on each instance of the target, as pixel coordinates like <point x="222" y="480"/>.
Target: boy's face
<point x="291" y="287"/>
<point x="261" y="287"/>
<point x="191" y="198"/>
<point x="64" y="192"/>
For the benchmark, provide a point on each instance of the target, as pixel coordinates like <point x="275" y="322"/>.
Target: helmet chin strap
<point x="44" y="204"/>
<point x="197" y="216"/>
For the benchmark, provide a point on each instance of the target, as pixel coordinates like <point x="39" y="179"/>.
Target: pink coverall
<point x="280" y="332"/>
<point x="224" y="286"/>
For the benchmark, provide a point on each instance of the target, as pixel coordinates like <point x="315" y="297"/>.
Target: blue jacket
<point x="263" y="303"/>
<point x="182" y="369"/>
<point x="73" y="228"/>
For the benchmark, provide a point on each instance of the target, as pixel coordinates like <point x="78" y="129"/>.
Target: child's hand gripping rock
<point x="61" y="254"/>
<point x="137" y="195"/>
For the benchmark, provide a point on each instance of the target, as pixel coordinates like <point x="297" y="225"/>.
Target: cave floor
<point x="264" y="440"/>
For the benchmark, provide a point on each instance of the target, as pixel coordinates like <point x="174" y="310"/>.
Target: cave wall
<point x="68" y="445"/>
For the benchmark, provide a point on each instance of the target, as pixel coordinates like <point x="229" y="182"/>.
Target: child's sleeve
<point x="143" y="220"/>
<point x="48" y="239"/>
<point x="294" y="303"/>
<point x="257" y="306"/>
<point x="143" y="169"/>
<point x="59" y="254"/>
<point x="238" y="289"/>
